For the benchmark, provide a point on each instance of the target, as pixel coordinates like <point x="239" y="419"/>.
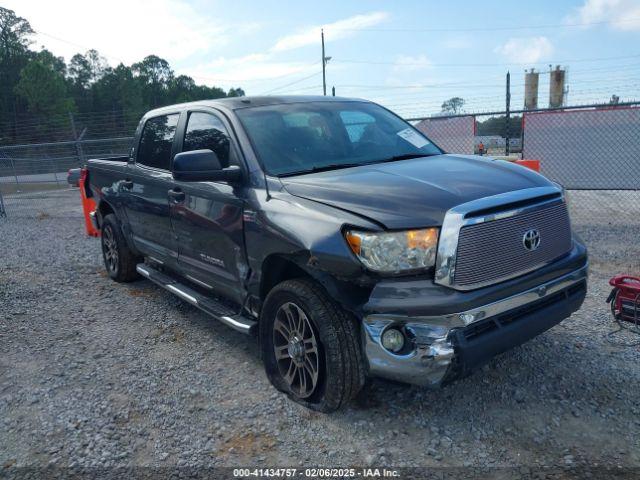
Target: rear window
<point x="156" y="141"/>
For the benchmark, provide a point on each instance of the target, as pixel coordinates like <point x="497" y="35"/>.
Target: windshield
<point x="312" y="136"/>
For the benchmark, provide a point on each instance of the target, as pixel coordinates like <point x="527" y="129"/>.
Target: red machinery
<point x="625" y="298"/>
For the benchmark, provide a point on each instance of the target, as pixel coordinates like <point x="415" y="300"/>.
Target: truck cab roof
<point x="235" y="103"/>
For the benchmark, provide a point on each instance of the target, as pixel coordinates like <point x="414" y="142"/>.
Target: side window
<point x="206" y="131"/>
<point x="156" y="141"/>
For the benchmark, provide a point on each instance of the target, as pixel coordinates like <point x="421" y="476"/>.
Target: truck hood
<point x="412" y="193"/>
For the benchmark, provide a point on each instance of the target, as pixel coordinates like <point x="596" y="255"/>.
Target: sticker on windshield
<point x="413" y="137"/>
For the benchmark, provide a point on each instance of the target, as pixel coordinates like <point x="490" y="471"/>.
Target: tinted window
<point x="156" y="141"/>
<point x="300" y="137"/>
<point x="355" y="123"/>
<point x="206" y="131"/>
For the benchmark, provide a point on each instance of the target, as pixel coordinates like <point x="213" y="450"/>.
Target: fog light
<point x="393" y="340"/>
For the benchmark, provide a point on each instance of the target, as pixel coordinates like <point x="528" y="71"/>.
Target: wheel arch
<point x="277" y="268"/>
<point x="105" y="208"/>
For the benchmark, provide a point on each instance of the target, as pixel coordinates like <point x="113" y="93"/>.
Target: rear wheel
<point x="310" y="346"/>
<point x="119" y="260"/>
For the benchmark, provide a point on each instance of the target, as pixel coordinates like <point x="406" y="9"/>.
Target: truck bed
<point x="105" y="172"/>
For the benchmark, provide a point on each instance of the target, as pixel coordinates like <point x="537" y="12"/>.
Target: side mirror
<point x="202" y="166"/>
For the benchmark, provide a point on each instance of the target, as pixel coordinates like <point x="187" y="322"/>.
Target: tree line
<point x="495" y="125"/>
<point x="38" y="88"/>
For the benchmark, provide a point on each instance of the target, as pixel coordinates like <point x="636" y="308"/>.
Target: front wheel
<point x="310" y="346"/>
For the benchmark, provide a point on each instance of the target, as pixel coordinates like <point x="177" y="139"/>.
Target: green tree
<point x="98" y="65"/>
<point x="156" y="74"/>
<point x="181" y="89"/>
<point x="47" y="58"/>
<point x="497" y="126"/>
<point x="15" y="33"/>
<point x="83" y="73"/>
<point x="44" y="88"/>
<point x="453" y="105"/>
<point x="236" y="92"/>
<point x="40" y="88"/>
<point x="80" y="71"/>
<point x="202" y="92"/>
<point x="119" y="92"/>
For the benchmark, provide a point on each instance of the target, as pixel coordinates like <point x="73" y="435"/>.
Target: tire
<point x="119" y="260"/>
<point x="340" y="372"/>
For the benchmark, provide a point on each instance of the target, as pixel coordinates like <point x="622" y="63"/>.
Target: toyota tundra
<point x="349" y="242"/>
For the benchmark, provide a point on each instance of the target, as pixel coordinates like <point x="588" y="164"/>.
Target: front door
<point x="207" y="216"/>
<point x="149" y="180"/>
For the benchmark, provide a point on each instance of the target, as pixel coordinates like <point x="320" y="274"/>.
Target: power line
<point x="83" y="47"/>
<point x="201" y="77"/>
<point x="486" y="29"/>
<point x="291" y="83"/>
<point x="421" y="102"/>
<point x="501" y="64"/>
<point x="252" y="80"/>
<point x="423" y="89"/>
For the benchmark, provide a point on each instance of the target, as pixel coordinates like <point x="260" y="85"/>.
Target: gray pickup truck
<point x="343" y="237"/>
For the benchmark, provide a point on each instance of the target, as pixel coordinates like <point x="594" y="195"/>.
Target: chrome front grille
<point x="493" y="250"/>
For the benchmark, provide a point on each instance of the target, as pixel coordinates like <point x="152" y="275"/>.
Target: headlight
<point x="395" y="251"/>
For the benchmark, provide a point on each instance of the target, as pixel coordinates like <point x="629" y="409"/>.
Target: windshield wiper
<point x="405" y="156"/>
<point x="321" y="168"/>
<point x="336" y="166"/>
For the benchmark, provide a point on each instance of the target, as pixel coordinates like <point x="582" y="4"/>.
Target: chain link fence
<point x="37" y="155"/>
<point x="588" y="149"/>
<point x="593" y="151"/>
<point x="31" y="174"/>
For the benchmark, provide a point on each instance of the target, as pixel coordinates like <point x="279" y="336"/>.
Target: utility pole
<point x="324" y="65"/>
<point x="506" y="119"/>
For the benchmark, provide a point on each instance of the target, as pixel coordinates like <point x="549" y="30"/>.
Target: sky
<point x="409" y="55"/>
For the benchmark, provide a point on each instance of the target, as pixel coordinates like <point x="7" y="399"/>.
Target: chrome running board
<point x="208" y="305"/>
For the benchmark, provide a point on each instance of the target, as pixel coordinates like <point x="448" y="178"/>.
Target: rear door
<point x="207" y="216"/>
<point x="147" y="205"/>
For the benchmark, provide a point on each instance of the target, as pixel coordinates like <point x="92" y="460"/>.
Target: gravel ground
<point x="94" y="373"/>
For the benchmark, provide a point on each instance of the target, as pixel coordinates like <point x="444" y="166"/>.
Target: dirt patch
<point x="142" y="293"/>
<point x="250" y="445"/>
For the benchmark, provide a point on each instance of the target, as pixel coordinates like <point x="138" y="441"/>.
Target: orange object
<point x="532" y="164"/>
<point x="88" y="206"/>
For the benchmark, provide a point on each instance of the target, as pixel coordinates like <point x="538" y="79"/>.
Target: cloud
<point x="171" y="29"/>
<point x="333" y="31"/>
<point x="526" y="50"/>
<point x="248" y="70"/>
<point x="407" y="63"/>
<point x="622" y="14"/>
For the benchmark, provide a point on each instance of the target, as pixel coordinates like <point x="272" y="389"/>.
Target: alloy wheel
<point x="296" y="350"/>
<point x="110" y="249"/>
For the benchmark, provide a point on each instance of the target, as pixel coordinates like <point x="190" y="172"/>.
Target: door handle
<point x="176" y="195"/>
<point x="128" y="183"/>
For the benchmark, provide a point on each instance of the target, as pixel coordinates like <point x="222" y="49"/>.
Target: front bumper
<point x="446" y="346"/>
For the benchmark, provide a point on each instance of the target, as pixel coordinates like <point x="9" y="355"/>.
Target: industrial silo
<point x="557" y="79"/>
<point x="531" y="79"/>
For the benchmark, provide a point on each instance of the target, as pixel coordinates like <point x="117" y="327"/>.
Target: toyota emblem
<point x="531" y="239"/>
